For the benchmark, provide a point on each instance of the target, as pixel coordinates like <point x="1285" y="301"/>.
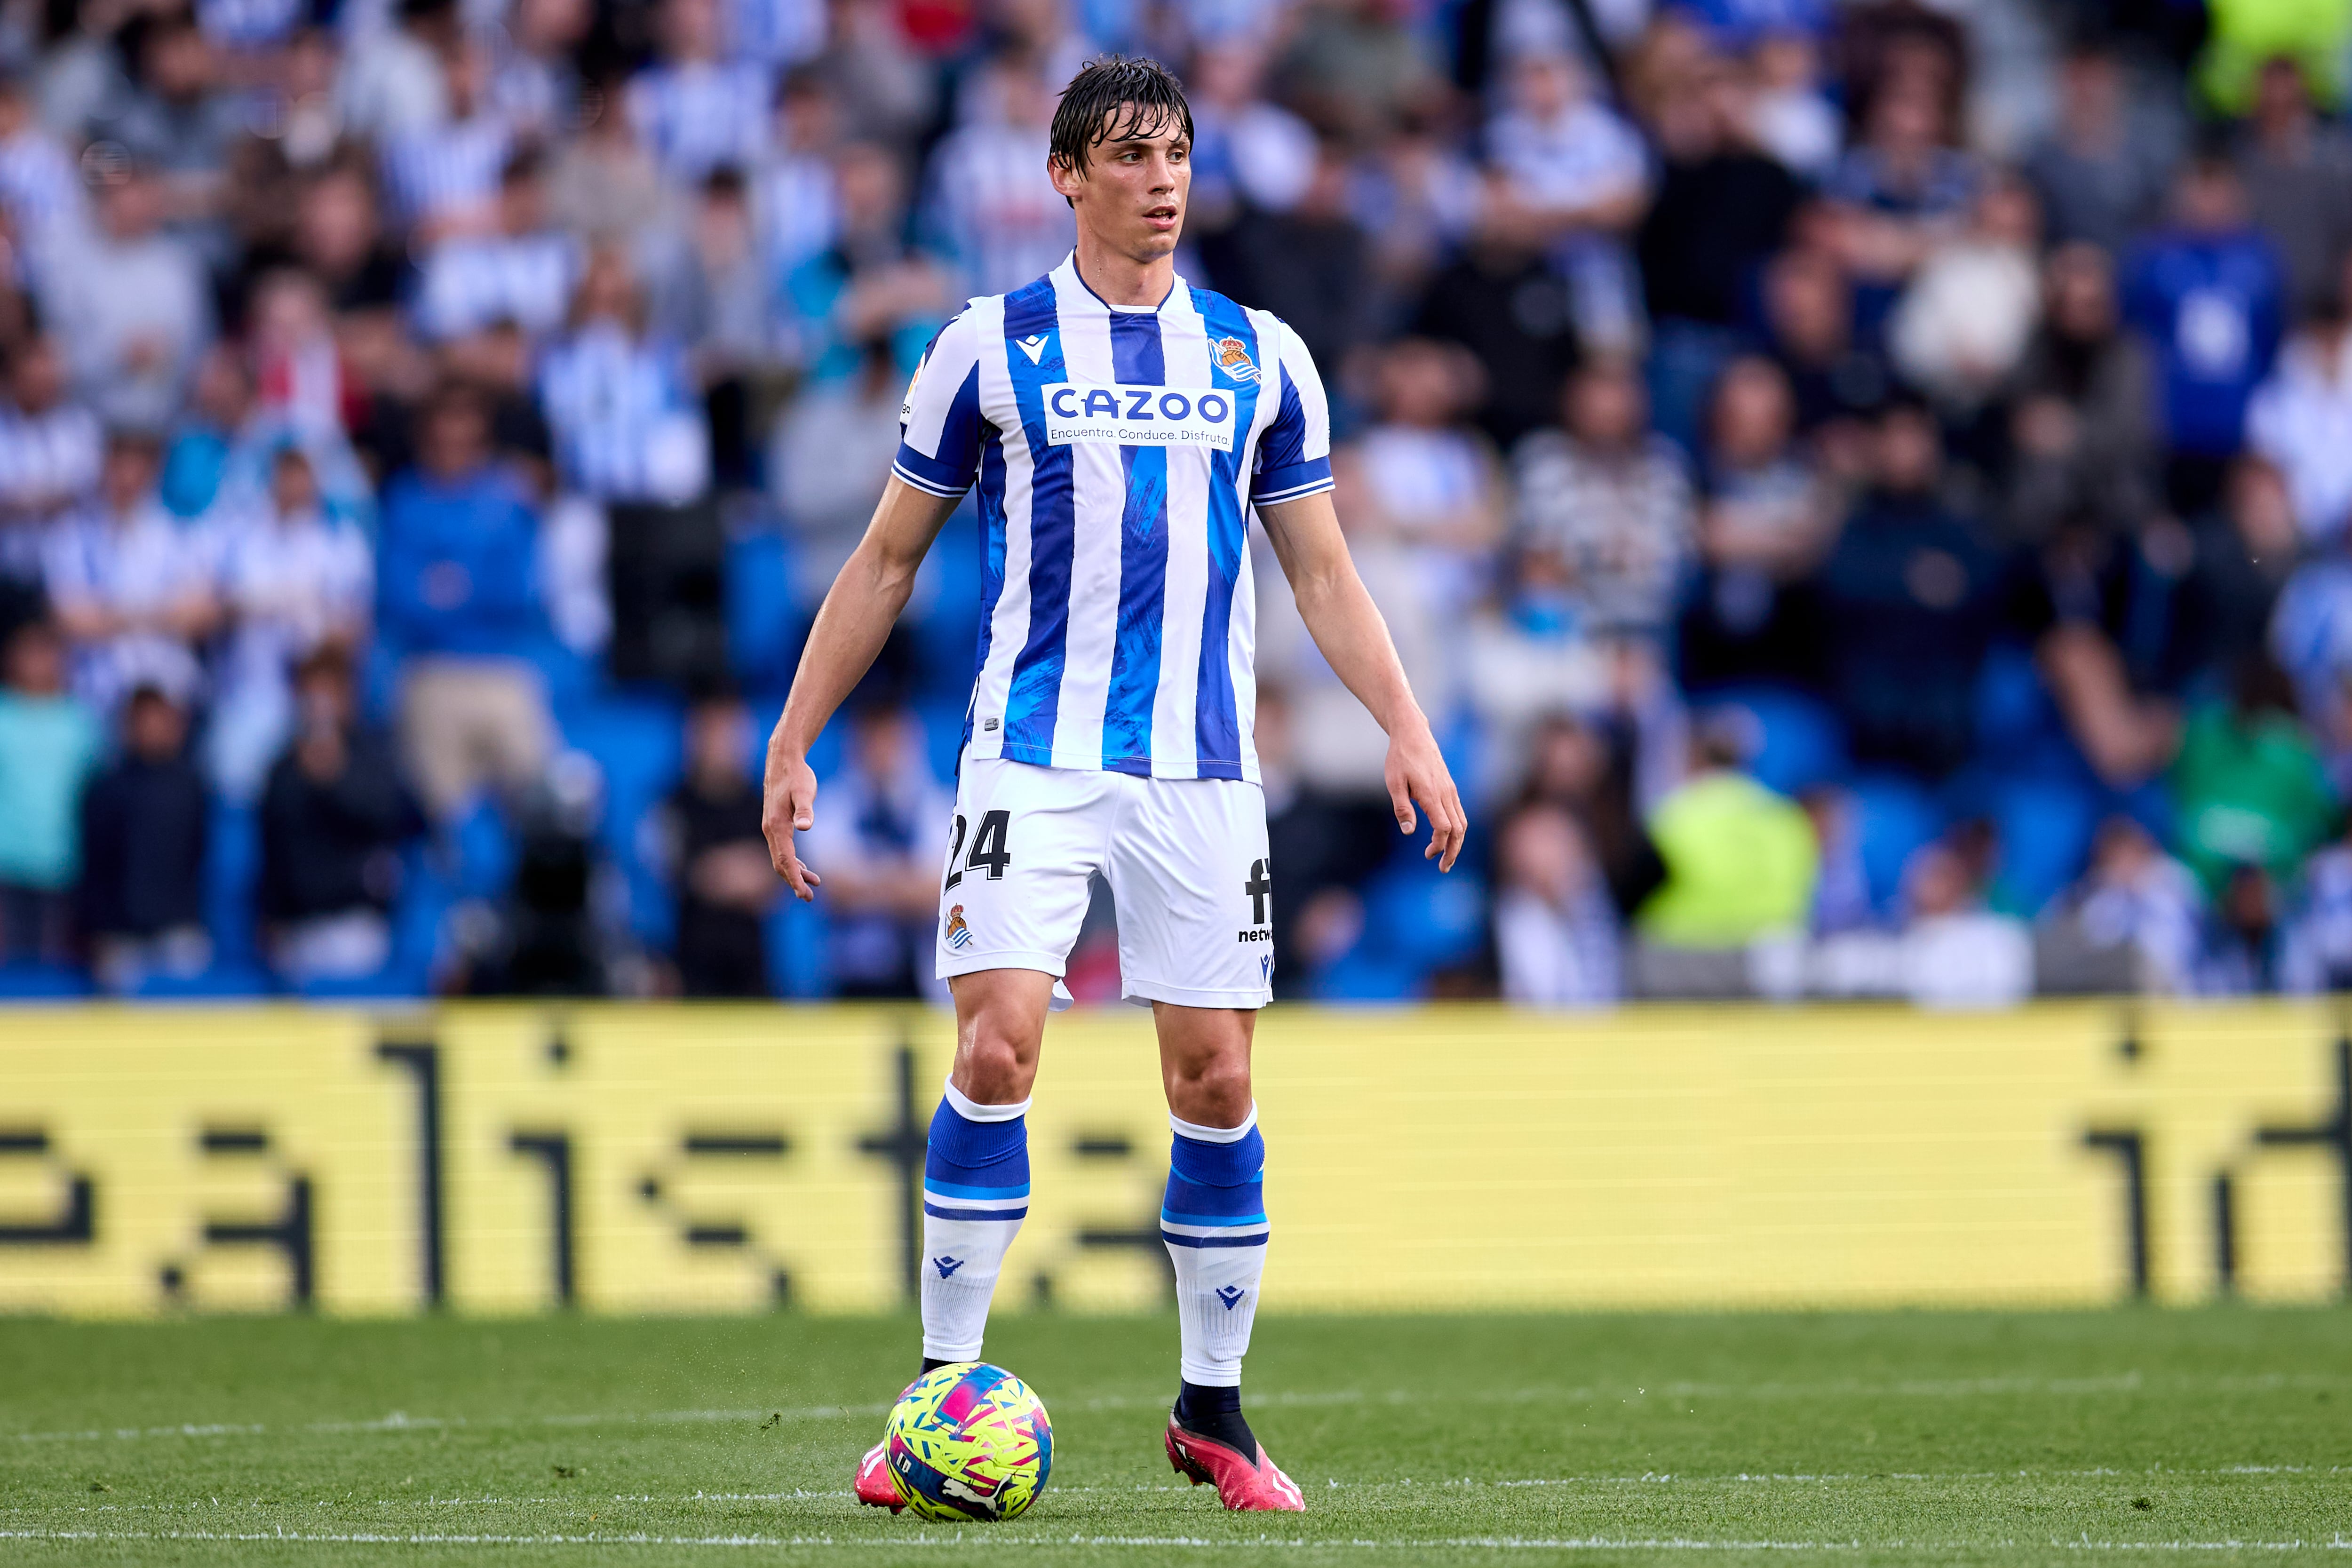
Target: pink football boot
<point x="874" y="1485"/>
<point x="1246" y="1486"/>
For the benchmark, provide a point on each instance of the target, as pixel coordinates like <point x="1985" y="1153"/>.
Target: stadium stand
<point x="1885" y="455"/>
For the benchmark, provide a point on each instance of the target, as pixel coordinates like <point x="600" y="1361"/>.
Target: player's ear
<point x="1067" y="180"/>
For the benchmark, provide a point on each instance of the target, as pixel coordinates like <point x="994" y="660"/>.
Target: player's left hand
<point x="1416" y="771"/>
<point x="788" y="805"/>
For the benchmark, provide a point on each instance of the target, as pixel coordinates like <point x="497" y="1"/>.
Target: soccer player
<point x="1121" y="425"/>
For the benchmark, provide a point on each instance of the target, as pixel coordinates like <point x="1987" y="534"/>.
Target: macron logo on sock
<point x="946" y="1266"/>
<point x="1231" y="1295"/>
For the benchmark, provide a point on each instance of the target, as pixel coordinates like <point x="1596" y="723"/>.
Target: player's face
<point x="1131" y="193"/>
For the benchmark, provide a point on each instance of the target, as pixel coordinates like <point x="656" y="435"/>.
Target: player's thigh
<point x="1023" y="848"/>
<point x="1189" y="872"/>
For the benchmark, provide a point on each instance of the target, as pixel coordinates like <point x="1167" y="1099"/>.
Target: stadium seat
<point x="1799" y="743"/>
<point x="42" y="983"/>
<point x="233" y="882"/>
<point x="764" y="624"/>
<point x="226" y="980"/>
<point x="634" y="735"/>
<point x="1894" y="816"/>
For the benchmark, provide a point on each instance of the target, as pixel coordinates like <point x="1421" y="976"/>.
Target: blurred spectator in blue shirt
<point x="878" y="847"/>
<point x="2210" y="296"/>
<point x="143" y="832"/>
<point x="459" y="602"/>
<point x="49" y="744"/>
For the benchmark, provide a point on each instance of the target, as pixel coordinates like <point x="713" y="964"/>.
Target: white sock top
<point x="1213" y="1135"/>
<point x="972" y="1110"/>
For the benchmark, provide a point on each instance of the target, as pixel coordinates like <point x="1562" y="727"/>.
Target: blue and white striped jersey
<point x="1117" y="452"/>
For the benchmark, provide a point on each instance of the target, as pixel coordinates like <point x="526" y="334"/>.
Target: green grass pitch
<point x="1909" y="1437"/>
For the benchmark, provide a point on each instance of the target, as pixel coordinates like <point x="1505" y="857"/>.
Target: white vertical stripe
<point x="1098" y="486"/>
<point x="1241" y="636"/>
<point x="1241" y="641"/>
<point x="1184" y="343"/>
<point x="1009" y="626"/>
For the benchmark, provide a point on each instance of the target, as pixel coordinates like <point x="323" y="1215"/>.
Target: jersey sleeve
<point x="939" y="423"/>
<point x="1294" y="456"/>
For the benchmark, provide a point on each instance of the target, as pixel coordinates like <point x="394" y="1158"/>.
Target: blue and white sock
<point x="975" y="1193"/>
<point x="1215" y="1223"/>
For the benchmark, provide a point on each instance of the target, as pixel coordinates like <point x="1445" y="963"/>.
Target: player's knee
<point x="991" y="1070"/>
<point x="1216" y="1093"/>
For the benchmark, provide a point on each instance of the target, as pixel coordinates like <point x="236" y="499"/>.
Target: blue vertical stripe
<point x="1137" y="360"/>
<point x="1035" y="702"/>
<point x="1216" y="724"/>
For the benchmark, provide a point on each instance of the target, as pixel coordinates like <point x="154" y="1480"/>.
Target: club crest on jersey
<point x="1233" y="358"/>
<point x="958" y="933"/>
<point x="1138" y="415"/>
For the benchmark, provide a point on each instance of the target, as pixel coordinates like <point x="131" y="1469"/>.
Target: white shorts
<point x="1186" y="860"/>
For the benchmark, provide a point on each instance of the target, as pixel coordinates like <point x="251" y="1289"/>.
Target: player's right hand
<point x="788" y="805"/>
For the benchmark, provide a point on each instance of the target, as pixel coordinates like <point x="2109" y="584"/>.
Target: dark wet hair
<point x="1112" y="100"/>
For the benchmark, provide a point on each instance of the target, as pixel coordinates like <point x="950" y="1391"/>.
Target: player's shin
<point x="1215" y="1223"/>
<point x="975" y="1193"/>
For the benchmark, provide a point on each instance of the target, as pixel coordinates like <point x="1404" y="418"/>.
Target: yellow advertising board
<point x="622" y="1158"/>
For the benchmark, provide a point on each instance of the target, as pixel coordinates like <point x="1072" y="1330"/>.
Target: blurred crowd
<point x="1860" y="485"/>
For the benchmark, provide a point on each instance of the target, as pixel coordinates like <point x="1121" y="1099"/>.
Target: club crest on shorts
<point x="1233" y="358"/>
<point x="958" y="933"/>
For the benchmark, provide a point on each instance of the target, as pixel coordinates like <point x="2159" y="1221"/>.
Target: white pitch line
<point x="401" y="1422"/>
<point x="1653" y="1478"/>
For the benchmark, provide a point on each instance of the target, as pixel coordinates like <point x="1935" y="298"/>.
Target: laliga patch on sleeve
<point x="1138" y="415"/>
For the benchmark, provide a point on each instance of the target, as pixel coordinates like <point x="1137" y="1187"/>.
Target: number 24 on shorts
<point x="989" y="853"/>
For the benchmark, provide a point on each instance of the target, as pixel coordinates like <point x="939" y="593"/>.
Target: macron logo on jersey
<point x="1138" y="415"/>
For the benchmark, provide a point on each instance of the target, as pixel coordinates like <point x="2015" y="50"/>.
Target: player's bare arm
<point x="1347" y="627"/>
<point x="851" y="626"/>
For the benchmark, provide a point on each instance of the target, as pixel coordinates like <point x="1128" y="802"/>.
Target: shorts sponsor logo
<point x="1138" y="415"/>
<point x="1233" y="358"/>
<point x="1259" y="934"/>
<point x="958" y="933"/>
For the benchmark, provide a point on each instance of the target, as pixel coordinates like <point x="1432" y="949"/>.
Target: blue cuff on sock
<point x="982" y="1158"/>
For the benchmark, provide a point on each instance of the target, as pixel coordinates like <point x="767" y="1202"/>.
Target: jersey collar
<point x="1068" y="274"/>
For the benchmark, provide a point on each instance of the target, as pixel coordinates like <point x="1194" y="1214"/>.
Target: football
<point x="970" y="1441"/>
